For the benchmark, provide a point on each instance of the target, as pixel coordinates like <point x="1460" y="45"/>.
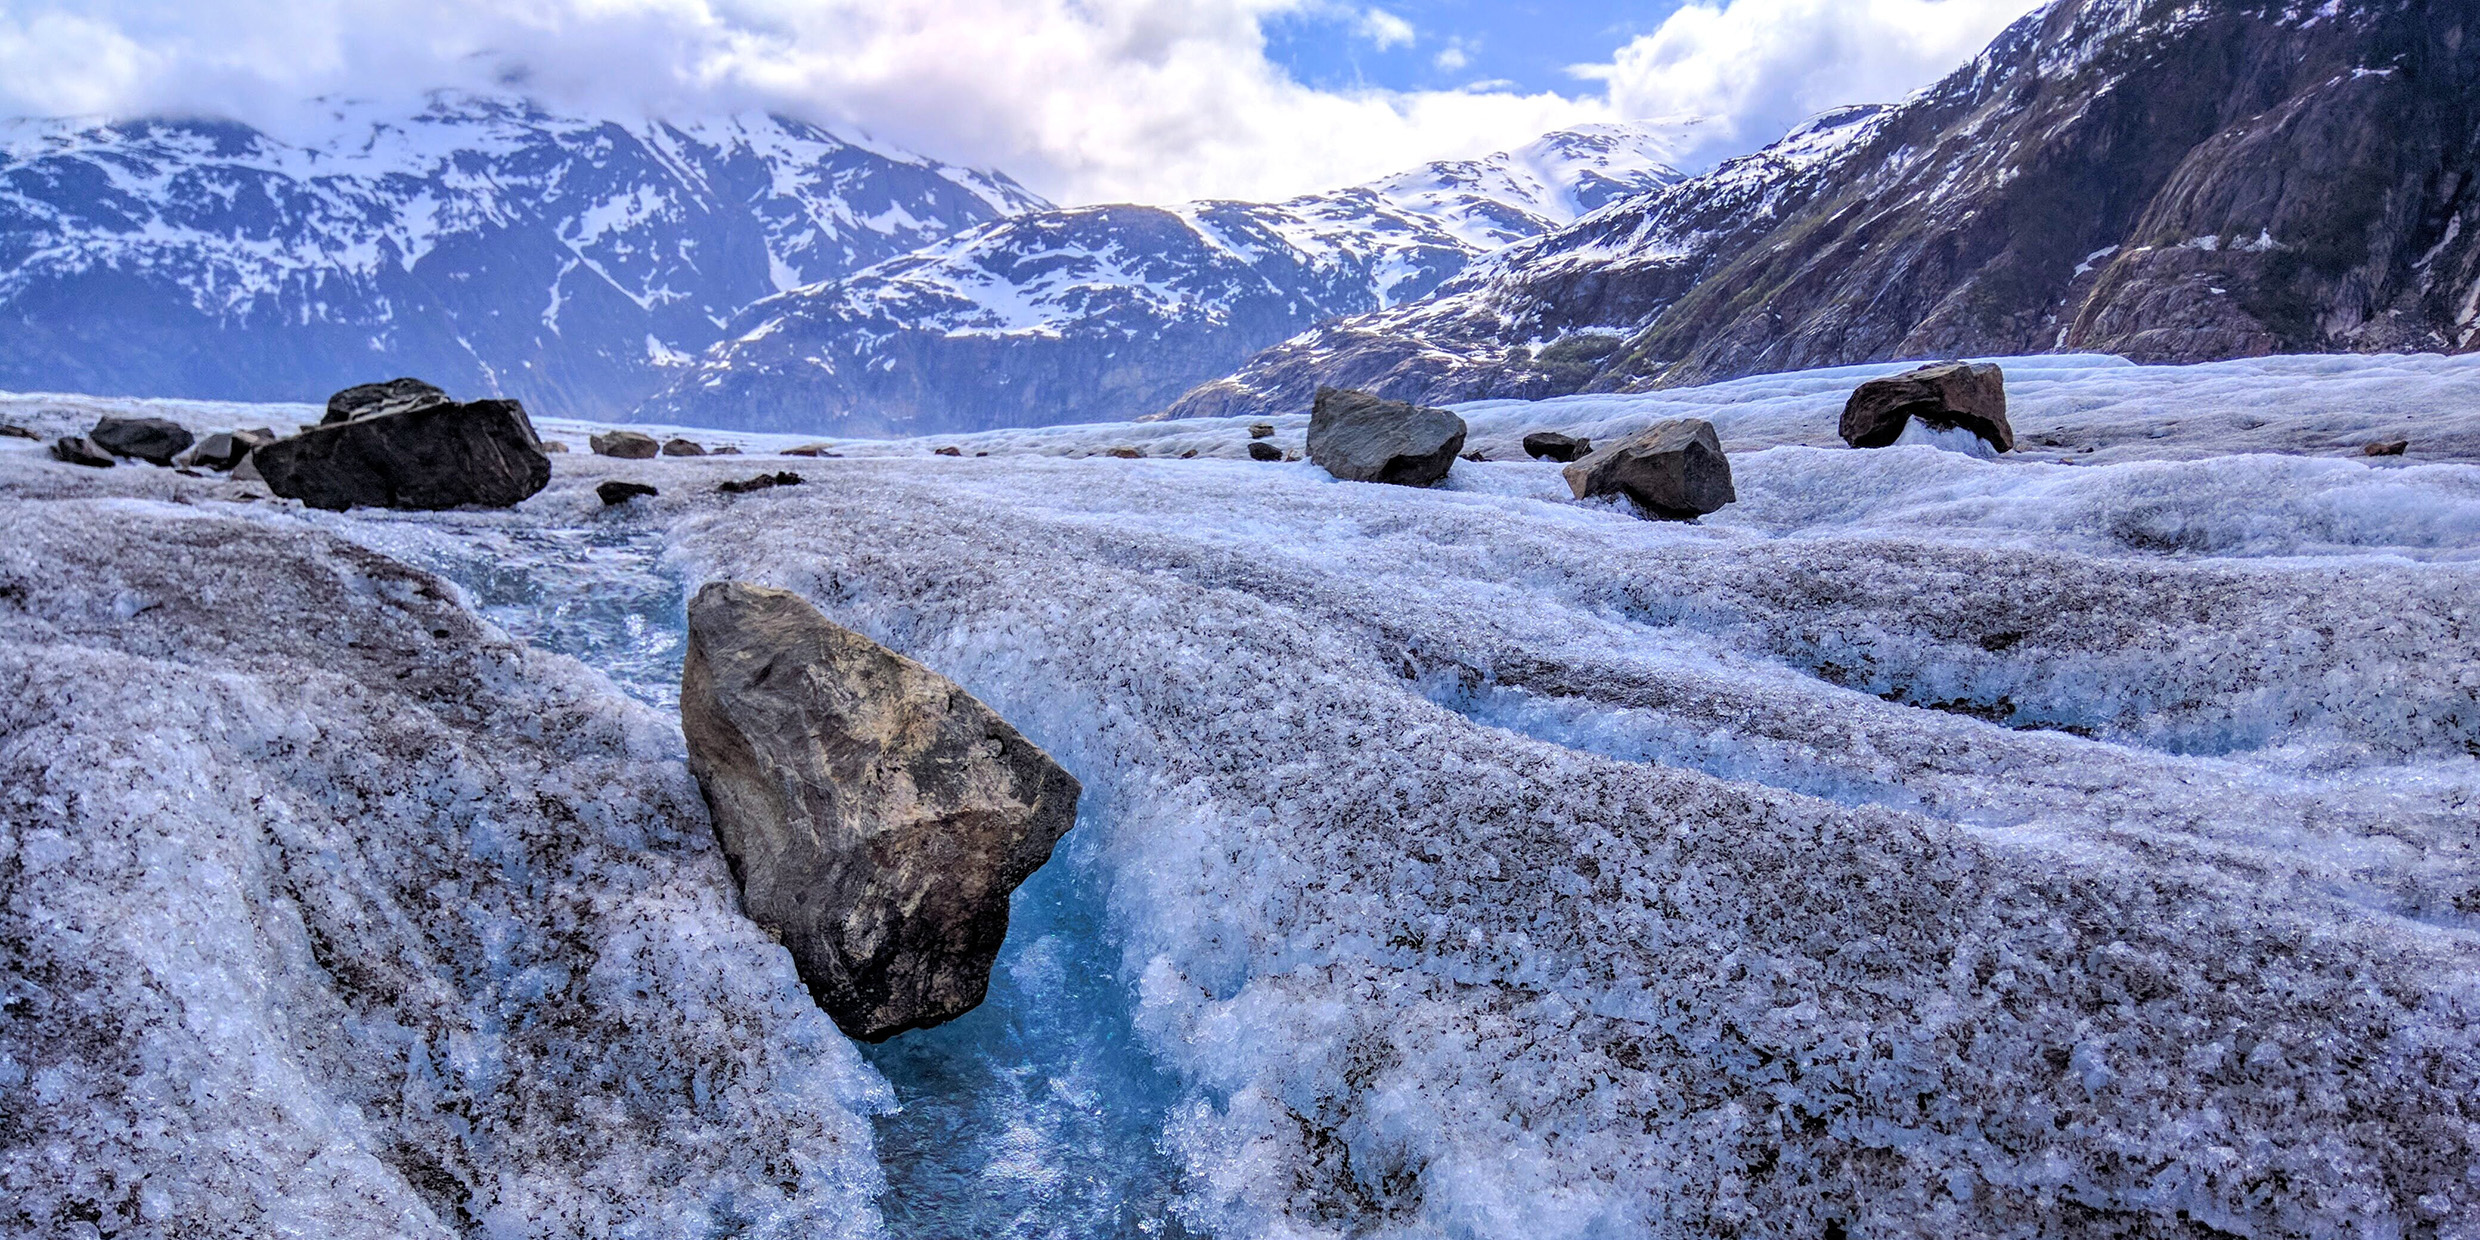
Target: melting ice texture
<point x="1923" y="845"/>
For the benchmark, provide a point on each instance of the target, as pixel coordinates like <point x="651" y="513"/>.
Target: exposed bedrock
<point x="1674" y="469"/>
<point x="876" y="815"/>
<point x="1944" y="396"/>
<point x="434" y="456"/>
<point x="1361" y="438"/>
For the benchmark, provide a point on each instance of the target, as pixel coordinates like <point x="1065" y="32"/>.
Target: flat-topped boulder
<point x="1944" y="396"/>
<point x="1554" y="446"/>
<point x="626" y="445"/>
<point x="153" y="440"/>
<point x="1363" y="438"/>
<point x="371" y="400"/>
<point x="876" y="815"/>
<point x="79" y="450"/>
<point x="1674" y="469"/>
<point x="480" y="453"/>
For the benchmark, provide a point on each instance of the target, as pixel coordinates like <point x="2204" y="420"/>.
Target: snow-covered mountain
<point x="2164" y="181"/>
<point x="1107" y="312"/>
<point x="482" y="243"/>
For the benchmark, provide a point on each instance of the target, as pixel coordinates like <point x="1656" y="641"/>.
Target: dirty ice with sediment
<point x="1926" y="844"/>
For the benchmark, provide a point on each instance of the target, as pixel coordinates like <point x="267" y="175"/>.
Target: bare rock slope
<point x="2164" y="181"/>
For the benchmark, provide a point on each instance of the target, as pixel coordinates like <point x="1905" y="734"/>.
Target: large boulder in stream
<point x="1673" y="469"/>
<point x="875" y="814"/>
<point x="1363" y="438"/>
<point x="1944" y="396"/>
<point x="429" y="457"/>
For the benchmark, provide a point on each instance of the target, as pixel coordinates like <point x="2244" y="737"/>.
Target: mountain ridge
<point x="2165" y="181"/>
<point x="483" y="241"/>
<point x="1109" y="312"/>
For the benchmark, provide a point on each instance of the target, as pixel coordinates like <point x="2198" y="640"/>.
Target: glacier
<point x="2079" y="842"/>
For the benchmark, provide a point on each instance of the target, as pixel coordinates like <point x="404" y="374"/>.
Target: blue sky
<point x="1459" y="43"/>
<point x="1081" y="100"/>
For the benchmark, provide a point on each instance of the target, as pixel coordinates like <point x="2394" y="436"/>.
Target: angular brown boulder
<point x="627" y="445"/>
<point x="1260" y="450"/>
<point x="1363" y="438"/>
<point x="682" y="447"/>
<point x="371" y="400"/>
<point x="1944" y="395"/>
<point x="875" y="815"/>
<point x="1674" y="469"/>
<point x="431" y="457"/>
<point x="153" y="440"/>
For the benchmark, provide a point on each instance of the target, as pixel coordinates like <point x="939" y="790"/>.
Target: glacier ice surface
<point x="2074" y="842"/>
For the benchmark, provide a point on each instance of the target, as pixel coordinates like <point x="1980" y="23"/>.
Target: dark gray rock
<point x="682" y="447"/>
<point x="1553" y="446"/>
<point x="1944" y="395"/>
<point x="627" y="445"/>
<point x="1261" y="430"/>
<point x="619" y="491"/>
<point x="1674" y="469"/>
<point x="11" y="430"/>
<point x="742" y="486"/>
<point x="1361" y="438"/>
<point x="875" y="815"/>
<point x="435" y="456"/>
<point x="370" y="400"/>
<point x="78" y="450"/>
<point x="2391" y="447"/>
<point x="1260" y="450"/>
<point x="226" y="449"/>
<point x="949" y="451"/>
<point x="153" y="440"/>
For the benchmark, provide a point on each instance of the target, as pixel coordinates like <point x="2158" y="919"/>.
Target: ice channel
<point x="1039" y="1115"/>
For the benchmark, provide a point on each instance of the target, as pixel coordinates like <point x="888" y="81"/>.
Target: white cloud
<point x="1084" y="100"/>
<point x="1452" y="58"/>
<point x="1385" y="29"/>
<point x="1757" y="67"/>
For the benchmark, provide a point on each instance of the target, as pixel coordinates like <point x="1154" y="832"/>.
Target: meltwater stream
<point x="1035" y="1116"/>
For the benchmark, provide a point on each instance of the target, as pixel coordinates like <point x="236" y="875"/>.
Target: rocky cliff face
<point x="483" y="243"/>
<point x="2167" y="181"/>
<point x="1110" y="312"/>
